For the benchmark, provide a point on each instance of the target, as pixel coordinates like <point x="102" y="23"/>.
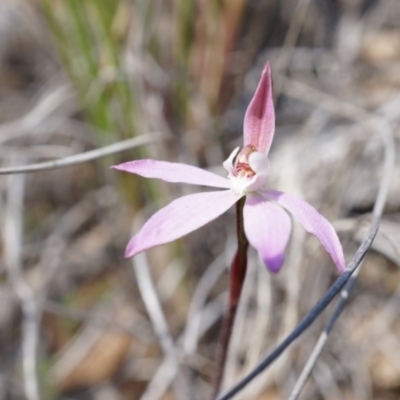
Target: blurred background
<point x="77" y="320"/>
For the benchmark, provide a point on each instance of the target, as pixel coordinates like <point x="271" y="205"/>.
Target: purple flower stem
<point x="237" y="277"/>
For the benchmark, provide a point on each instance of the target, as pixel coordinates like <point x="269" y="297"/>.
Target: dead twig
<point x="12" y="237"/>
<point x="86" y="156"/>
<point x="158" y="320"/>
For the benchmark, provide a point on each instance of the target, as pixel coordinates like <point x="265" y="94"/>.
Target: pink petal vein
<point x="174" y="172"/>
<point x="179" y="218"/>
<point x="259" y="121"/>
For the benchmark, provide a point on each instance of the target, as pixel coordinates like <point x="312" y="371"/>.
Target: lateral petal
<point x="267" y="228"/>
<point x="179" y="218"/>
<point x="259" y="120"/>
<point x="173" y="172"/>
<point x="313" y="222"/>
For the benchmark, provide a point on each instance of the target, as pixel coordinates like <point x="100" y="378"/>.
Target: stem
<point x="237" y="276"/>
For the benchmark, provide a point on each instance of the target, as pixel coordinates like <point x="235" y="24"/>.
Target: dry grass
<point x="77" y="321"/>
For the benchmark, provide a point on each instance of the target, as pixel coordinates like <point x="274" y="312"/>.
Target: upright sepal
<point x="259" y="121"/>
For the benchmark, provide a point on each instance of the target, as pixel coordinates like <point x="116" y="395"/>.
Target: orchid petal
<point x="267" y="228"/>
<point x="247" y="185"/>
<point x="259" y="163"/>
<point x="179" y="218"/>
<point x="313" y="222"/>
<point x="259" y="121"/>
<point x="228" y="163"/>
<point x="174" y="172"/>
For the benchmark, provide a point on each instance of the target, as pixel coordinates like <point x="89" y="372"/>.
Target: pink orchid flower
<point x="266" y="225"/>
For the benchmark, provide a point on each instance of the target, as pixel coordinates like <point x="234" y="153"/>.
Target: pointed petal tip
<point x="125" y="167"/>
<point x="129" y="251"/>
<point x="119" y="167"/>
<point x="267" y="68"/>
<point x="341" y="266"/>
<point x="274" y="265"/>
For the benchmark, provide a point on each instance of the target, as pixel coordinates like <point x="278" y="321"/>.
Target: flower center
<point x="242" y="168"/>
<point x="248" y="170"/>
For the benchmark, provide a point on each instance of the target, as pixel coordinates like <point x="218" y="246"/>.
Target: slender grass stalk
<point x="120" y="85"/>
<point x="91" y="50"/>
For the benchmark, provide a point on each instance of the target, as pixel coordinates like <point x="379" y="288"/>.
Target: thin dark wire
<point x="301" y="327"/>
<point x="319" y="346"/>
<point x="306" y="372"/>
<point x="342" y="302"/>
<point x="342" y="280"/>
